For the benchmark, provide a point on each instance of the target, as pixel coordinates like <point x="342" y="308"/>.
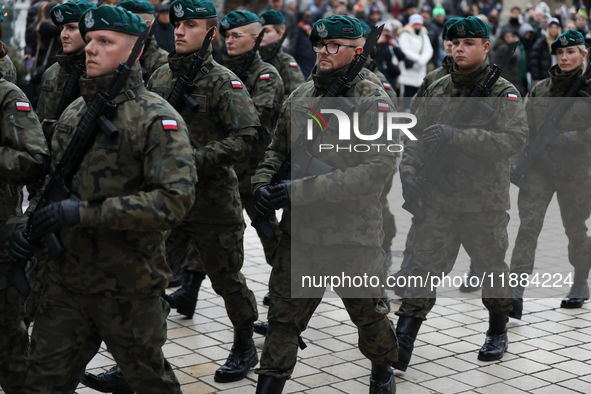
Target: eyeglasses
<point x="236" y="36"/>
<point x="331" y="47"/>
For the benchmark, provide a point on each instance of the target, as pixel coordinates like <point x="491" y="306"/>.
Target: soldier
<point x="474" y="215"/>
<point x="568" y="179"/>
<point x="351" y="185"/>
<point x="24" y="155"/>
<point x="153" y="56"/>
<point x="6" y="66"/>
<point x="107" y="286"/>
<point x="273" y="23"/>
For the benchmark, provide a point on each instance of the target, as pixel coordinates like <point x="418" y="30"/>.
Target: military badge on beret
<point x="569" y="38"/>
<point x="191" y="9"/>
<point x="336" y="26"/>
<point x="88" y="21"/>
<point x="69" y="12"/>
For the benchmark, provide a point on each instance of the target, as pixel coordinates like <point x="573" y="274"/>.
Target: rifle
<point x="242" y="71"/>
<point x="71" y="89"/>
<point x="300" y="161"/>
<point x="444" y="155"/>
<point x="538" y="148"/>
<point x="146" y="45"/>
<point x="277" y="46"/>
<point x="179" y="96"/>
<point x="59" y="186"/>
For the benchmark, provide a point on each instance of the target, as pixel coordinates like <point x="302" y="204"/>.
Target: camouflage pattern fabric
<point x="288" y="68"/>
<point x="23" y="159"/>
<point x="433" y="76"/>
<point x="389" y="89"/>
<point x="152" y="59"/>
<point x="389" y="223"/>
<point x="7" y="69"/>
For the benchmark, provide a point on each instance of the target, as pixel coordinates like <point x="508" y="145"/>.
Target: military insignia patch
<point x="178" y="11"/>
<point x="225" y="24"/>
<point x="512" y="97"/>
<point x="237" y="84"/>
<point x="387" y="86"/>
<point x="88" y="21"/>
<point x="321" y="29"/>
<point x="347" y="30"/>
<point x="23" y="106"/>
<point x="563" y="41"/>
<point x="169" y="124"/>
<point x="461" y="30"/>
<point x="58" y="16"/>
<point x="293" y="64"/>
<point x="264" y="76"/>
<point x="383" y="107"/>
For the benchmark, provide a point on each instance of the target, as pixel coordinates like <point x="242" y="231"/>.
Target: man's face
<point x="328" y="63"/>
<point x="469" y="53"/>
<point x="581" y="22"/>
<point x="240" y="40"/>
<point x="271" y="35"/>
<point x="72" y="41"/>
<point x="163" y="18"/>
<point x="105" y="50"/>
<point x="553" y="30"/>
<point x="515" y="13"/>
<point x="276" y="4"/>
<point x="447" y="45"/>
<point x="508" y="37"/>
<point x="538" y="15"/>
<point x="189" y="35"/>
<point x="375" y="17"/>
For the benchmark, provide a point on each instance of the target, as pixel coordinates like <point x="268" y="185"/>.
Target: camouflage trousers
<point x="68" y="331"/>
<point x="288" y="317"/>
<point x="222" y="254"/>
<point x="269" y="245"/>
<point x="574" y="200"/>
<point x="389" y="223"/>
<point x="437" y="241"/>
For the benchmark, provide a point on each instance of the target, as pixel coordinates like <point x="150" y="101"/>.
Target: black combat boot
<point x="242" y="356"/>
<point x="261" y="328"/>
<point x="177" y="276"/>
<point x="405" y="272"/>
<point x="184" y="300"/>
<point x="111" y="381"/>
<point x="472" y="282"/>
<point x="270" y="385"/>
<point x="382" y="379"/>
<point x="267" y="299"/>
<point x="386" y="300"/>
<point x="407" y="330"/>
<point x="579" y="293"/>
<point x="517" y="310"/>
<point x="496" y="342"/>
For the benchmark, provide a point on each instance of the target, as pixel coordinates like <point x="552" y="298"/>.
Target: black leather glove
<point x="262" y="201"/>
<point x="280" y="194"/>
<point x="412" y="188"/>
<point x="56" y="216"/>
<point x="34" y="188"/>
<point x="438" y="133"/>
<point x="20" y="249"/>
<point x="563" y="141"/>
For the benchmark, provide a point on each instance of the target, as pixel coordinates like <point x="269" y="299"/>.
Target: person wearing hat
<point x="153" y="56"/>
<point x="435" y="29"/>
<point x="511" y="72"/>
<point x="164" y="31"/>
<point x="569" y="179"/>
<point x="414" y="42"/>
<point x="223" y="130"/>
<point x="273" y="24"/>
<point x="6" y="66"/>
<point x="541" y="59"/>
<point x="130" y="189"/>
<point x="358" y="181"/>
<point x="475" y="214"/>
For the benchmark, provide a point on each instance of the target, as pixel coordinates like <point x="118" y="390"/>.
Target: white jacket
<point x="417" y="49"/>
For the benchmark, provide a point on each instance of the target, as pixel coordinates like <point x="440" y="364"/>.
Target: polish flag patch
<point x="383" y="107"/>
<point x="169" y="124"/>
<point x="23" y="106"/>
<point x="264" y="76"/>
<point x="512" y="97"/>
<point x="237" y="84"/>
<point x="293" y="64"/>
<point x="387" y="86"/>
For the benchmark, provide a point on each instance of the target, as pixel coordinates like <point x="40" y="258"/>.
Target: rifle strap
<point x="130" y="94"/>
<point x="205" y="69"/>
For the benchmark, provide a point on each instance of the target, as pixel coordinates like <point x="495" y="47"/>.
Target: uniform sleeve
<point x="267" y="95"/>
<point x="414" y="153"/>
<point x="170" y="178"/>
<point x="23" y="151"/>
<point x="292" y="78"/>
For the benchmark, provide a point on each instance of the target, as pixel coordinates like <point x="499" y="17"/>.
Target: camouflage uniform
<point x="428" y="81"/>
<point x="475" y="214"/>
<point x="358" y="237"/>
<point x="570" y="178"/>
<point x="24" y="154"/>
<point x="288" y="68"/>
<point x="107" y="287"/>
<point x="223" y="131"/>
<point x="7" y="69"/>
<point x="152" y="59"/>
<point x="266" y="89"/>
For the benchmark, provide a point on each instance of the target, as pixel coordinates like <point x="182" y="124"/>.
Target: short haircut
<point x="279" y="27"/>
<point x="515" y="8"/>
<point x="211" y="22"/>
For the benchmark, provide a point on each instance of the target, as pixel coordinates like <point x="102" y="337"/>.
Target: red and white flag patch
<point x="237" y="84"/>
<point x="23" y="106"/>
<point x="169" y="124"/>
<point x="387" y="86"/>
<point x="512" y="97"/>
<point x="293" y="64"/>
<point x="264" y="76"/>
<point x="383" y="107"/>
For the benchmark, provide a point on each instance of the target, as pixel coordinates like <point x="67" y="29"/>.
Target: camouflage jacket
<point x="133" y="187"/>
<point x="7" y="69"/>
<point x="343" y="205"/>
<point x="53" y="83"/>
<point x="385" y="84"/>
<point x="152" y="59"/>
<point x="429" y="79"/>
<point x="288" y="68"/>
<point x="223" y="129"/>
<point x="489" y="139"/>
<point x="266" y="89"/>
<point x="573" y="161"/>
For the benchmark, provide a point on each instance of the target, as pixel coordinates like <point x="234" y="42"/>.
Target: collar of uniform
<point x="560" y="81"/>
<point x="180" y="65"/>
<point x="322" y="82"/>
<point x="235" y="62"/>
<point x="467" y="80"/>
<point x="67" y="62"/>
<point x="89" y="87"/>
<point x="447" y="63"/>
<point x="266" y="50"/>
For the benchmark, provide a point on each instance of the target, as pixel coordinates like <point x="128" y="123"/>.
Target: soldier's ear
<point x="486" y="47"/>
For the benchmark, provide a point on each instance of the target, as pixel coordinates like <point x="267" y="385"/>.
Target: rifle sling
<point x="130" y="94"/>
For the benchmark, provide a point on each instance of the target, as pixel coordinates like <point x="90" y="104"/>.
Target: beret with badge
<point x="336" y="26"/>
<point x="191" y="9"/>
<point x="272" y="17"/>
<point x="569" y="38"/>
<point x="69" y="12"/>
<point x="470" y="27"/>
<point x="137" y="6"/>
<point x="111" y="18"/>
<point x="236" y="19"/>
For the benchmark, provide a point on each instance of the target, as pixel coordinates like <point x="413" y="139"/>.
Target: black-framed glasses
<point x="331" y="47"/>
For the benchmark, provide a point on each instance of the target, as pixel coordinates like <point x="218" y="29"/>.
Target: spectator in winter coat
<point x="541" y="60"/>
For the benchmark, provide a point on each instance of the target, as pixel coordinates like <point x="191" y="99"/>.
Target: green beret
<point x="137" y="6"/>
<point x="569" y="38"/>
<point x="272" y="17"/>
<point x="191" y="9"/>
<point x="1" y="16"/>
<point x="447" y="24"/>
<point x="236" y="19"/>
<point x="470" y="27"/>
<point x="111" y="18"/>
<point x="366" y="29"/>
<point x="69" y="12"/>
<point x="336" y="26"/>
